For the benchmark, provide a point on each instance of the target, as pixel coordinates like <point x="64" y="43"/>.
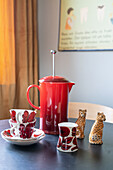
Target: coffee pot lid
<point x="53" y="79"/>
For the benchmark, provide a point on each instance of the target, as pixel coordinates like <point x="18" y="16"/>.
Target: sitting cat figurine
<point x="81" y="124"/>
<point x="95" y="136"/>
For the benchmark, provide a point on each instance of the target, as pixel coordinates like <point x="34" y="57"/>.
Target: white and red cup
<point x="22" y="115"/>
<point x="22" y="123"/>
<point x="67" y="141"/>
<point x="22" y="130"/>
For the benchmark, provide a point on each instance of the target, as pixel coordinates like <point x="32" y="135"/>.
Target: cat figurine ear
<point x="95" y="136"/>
<point x="81" y="121"/>
<point x="98" y="113"/>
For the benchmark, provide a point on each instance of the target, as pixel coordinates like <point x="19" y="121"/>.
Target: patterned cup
<point x="22" y="115"/>
<point x="23" y="130"/>
<point x="67" y="141"/>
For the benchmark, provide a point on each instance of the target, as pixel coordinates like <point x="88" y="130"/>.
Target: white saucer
<point x="36" y="136"/>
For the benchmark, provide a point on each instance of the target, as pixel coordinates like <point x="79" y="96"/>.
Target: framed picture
<point x="85" y="25"/>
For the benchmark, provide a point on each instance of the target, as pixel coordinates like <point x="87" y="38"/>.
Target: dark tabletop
<point x="44" y="155"/>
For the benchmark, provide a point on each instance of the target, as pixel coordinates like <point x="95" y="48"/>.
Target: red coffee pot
<point x="54" y="92"/>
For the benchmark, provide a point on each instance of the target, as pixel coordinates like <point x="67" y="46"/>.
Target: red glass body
<point x="53" y="104"/>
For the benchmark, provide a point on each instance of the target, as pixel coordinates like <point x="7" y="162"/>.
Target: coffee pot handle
<point x="28" y="89"/>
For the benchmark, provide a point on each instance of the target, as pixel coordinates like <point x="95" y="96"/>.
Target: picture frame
<point x="85" y="26"/>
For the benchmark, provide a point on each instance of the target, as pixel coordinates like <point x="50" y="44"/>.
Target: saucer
<point x="36" y="136"/>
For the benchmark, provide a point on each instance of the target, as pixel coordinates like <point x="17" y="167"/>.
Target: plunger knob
<point x="53" y="51"/>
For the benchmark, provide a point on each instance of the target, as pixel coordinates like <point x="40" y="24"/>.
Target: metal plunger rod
<point x="53" y="52"/>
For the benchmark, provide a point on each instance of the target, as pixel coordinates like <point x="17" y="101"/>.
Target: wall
<point x="91" y="71"/>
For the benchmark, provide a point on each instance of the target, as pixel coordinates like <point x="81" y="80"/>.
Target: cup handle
<point x="17" y="118"/>
<point x="28" y="89"/>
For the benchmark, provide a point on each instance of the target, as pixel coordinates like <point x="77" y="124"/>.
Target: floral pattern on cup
<point x="22" y="115"/>
<point x="26" y="131"/>
<point x="13" y="115"/>
<point x="74" y="131"/>
<point x="64" y="131"/>
<point x="23" y="130"/>
<point x="28" y="117"/>
<point x="67" y="141"/>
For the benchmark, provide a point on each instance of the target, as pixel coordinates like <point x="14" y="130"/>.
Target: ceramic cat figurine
<point x="95" y="136"/>
<point x="81" y="121"/>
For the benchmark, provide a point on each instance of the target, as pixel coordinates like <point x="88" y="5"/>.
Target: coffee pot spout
<point x="70" y="86"/>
